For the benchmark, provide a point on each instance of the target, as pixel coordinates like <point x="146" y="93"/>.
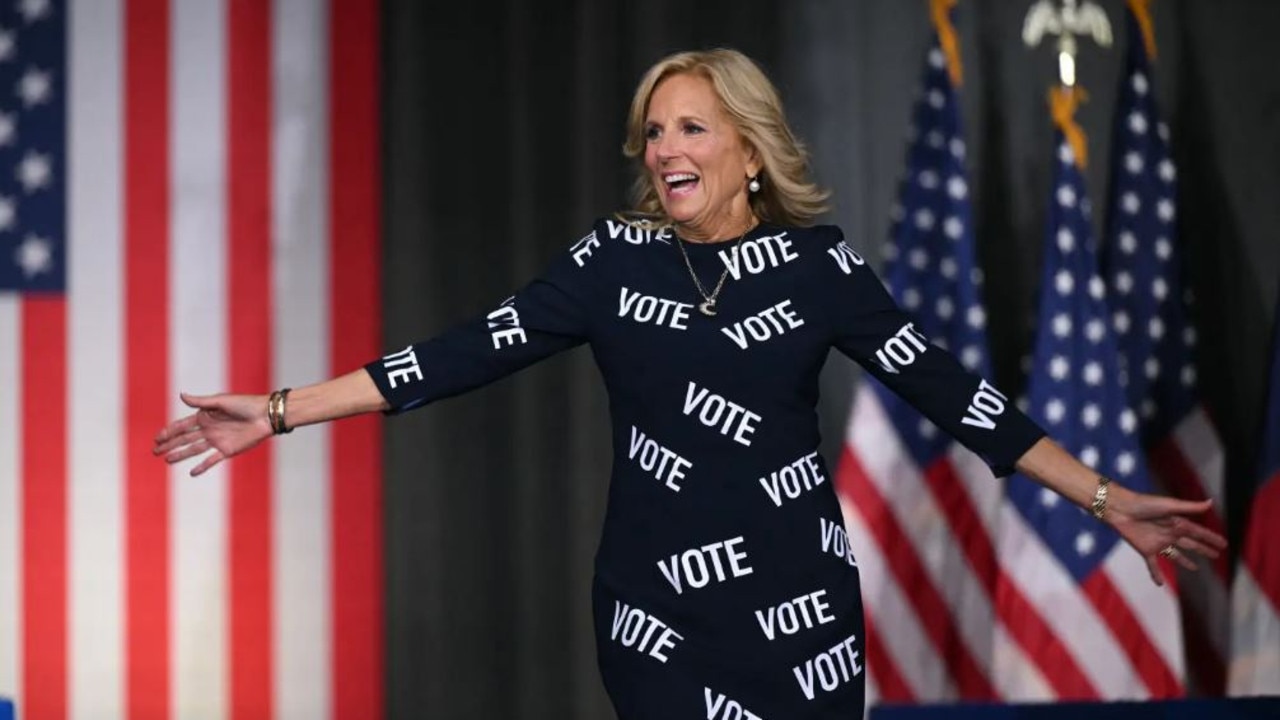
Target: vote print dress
<point x="724" y="584"/>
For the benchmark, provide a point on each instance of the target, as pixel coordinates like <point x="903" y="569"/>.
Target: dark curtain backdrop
<point x="503" y="127"/>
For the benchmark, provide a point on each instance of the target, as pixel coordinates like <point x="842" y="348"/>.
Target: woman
<point x="723" y="580"/>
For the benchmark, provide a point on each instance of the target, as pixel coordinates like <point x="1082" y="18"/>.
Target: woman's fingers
<point x="177" y="427"/>
<point x="200" y="402"/>
<point x="1181" y="549"/>
<point x="1154" y="569"/>
<point x="186" y="451"/>
<point x="1182" y="527"/>
<point x="1187" y="543"/>
<point x="210" y="460"/>
<point x="188" y="437"/>
<point x="1175" y="506"/>
<point x="1176" y="515"/>
<point x="1206" y="536"/>
<point x="1182" y="559"/>
<point x="177" y="441"/>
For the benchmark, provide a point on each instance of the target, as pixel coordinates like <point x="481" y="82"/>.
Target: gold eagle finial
<point x="1073" y="19"/>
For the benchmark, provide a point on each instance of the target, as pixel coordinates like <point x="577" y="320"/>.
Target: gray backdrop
<point x="502" y="136"/>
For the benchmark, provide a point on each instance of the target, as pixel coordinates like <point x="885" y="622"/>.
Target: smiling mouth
<point x="678" y="184"/>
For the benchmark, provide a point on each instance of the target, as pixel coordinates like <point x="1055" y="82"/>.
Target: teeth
<point x="678" y="177"/>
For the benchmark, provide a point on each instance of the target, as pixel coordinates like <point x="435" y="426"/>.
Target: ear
<point x="754" y="164"/>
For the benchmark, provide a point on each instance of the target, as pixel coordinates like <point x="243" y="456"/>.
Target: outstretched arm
<point x="1152" y="524"/>
<point x="547" y="316"/>
<point x="226" y="425"/>
<point x="873" y="331"/>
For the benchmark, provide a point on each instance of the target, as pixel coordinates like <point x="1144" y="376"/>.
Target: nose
<point x="666" y="148"/>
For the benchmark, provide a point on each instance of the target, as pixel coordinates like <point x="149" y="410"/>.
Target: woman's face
<point x="696" y="159"/>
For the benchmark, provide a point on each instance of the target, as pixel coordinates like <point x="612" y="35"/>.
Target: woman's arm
<point x="1048" y="464"/>
<point x="1149" y="523"/>
<point x="547" y="316"/>
<point x="226" y="425"/>
<point x="351" y="394"/>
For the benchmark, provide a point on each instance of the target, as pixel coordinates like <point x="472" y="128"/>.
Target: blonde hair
<point x="787" y="196"/>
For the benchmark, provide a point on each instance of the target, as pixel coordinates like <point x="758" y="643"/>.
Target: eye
<point x="652" y="132"/>
<point x="693" y="128"/>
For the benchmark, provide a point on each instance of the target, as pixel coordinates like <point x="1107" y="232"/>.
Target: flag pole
<point x="1072" y="19"/>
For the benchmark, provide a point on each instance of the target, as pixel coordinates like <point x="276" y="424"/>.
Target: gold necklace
<point x="708" y="305"/>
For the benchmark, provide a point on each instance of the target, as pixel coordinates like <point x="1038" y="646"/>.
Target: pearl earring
<point x="754" y="185"/>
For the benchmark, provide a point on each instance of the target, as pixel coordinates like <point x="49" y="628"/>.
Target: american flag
<point x="1255" y="639"/>
<point x="1150" y="309"/>
<point x="920" y="509"/>
<point x="1082" y="618"/>
<point x="183" y="207"/>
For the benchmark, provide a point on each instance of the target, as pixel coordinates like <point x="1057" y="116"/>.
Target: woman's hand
<point x="1157" y="526"/>
<point x="225" y="424"/>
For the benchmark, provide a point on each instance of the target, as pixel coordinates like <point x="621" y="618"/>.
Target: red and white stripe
<point x="1255" y="648"/>
<point x="1107" y="638"/>
<point x="963" y="601"/>
<point x="923" y="541"/>
<point x="95" y="297"/>
<point x="11" y="500"/>
<point x="1189" y="463"/>
<point x="214" y="191"/>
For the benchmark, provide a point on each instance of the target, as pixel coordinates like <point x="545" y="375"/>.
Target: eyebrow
<point x="680" y="119"/>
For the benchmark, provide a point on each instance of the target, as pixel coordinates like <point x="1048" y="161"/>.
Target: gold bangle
<point x="271" y="412"/>
<point x="284" y="428"/>
<point x="1100" y="496"/>
<point x="275" y="412"/>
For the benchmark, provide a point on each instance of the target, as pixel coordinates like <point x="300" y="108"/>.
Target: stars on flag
<point x="1133" y="163"/>
<point x="1066" y="196"/>
<point x="33" y="10"/>
<point x="1089" y="456"/>
<point x="34" y="255"/>
<point x="929" y="265"/>
<point x="1085" y="543"/>
<point x="34" y="171"/>
<point x="1095" y="330"/>
<point x="1074" y="391"/>
<point x="1137" y="123"/>
<point x="1059" y="368"/>
<point x="32" y="199"/>
<point x="35" y="87"/>
<point x="976" y="317"/>
<point x="1139" y="82"/>
<point x="953" y="227"/>
<point x="1066" y="240"/>
<point x="1093" y="373"/>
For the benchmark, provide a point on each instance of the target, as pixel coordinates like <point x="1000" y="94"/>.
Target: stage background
<point x="502" y="133"/>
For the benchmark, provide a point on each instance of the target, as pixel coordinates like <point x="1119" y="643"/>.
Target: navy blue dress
<point x="724" y="583"/>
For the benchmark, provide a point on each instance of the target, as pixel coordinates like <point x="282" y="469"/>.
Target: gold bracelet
<point x="284" y="428"/>
<point x="275" y="412"/>
<point x="272" y="402"/>
<point x="1100" y="496"/>
<point x="271" y="412"/>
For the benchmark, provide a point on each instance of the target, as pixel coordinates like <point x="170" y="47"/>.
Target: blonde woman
<point x="724" y="584"/>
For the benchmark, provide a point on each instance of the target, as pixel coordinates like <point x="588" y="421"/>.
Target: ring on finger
<point x="1169" y="551"/>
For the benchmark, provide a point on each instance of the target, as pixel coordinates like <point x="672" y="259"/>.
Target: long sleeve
<point x="547" y="316"/>
<point x="872" y="330"/>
